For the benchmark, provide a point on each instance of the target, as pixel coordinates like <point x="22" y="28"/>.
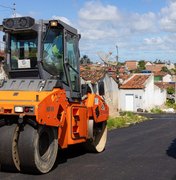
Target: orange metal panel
<point x="49" y="112"/>
<point x="78" y="122"/>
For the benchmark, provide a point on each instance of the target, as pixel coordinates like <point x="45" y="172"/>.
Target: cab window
<point x="53" y="53"/>
<point x="23" y="49"/>
<point x="72" y="56"/>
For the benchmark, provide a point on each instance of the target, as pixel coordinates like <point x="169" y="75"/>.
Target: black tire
<point x="9" y="159"/>
<point x="37" y="149"/>
<point x="98" y="142"/>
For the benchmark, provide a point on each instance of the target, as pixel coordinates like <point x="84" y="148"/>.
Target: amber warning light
<point x="54" y="23"/>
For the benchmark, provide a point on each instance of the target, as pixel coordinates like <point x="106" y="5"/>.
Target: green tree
<point x="85" y="60"/>
<point x="165" y="69"/>
<point x="173" y="71"/>
<point x="141" y="66"/>
<point x="170" y="90"/>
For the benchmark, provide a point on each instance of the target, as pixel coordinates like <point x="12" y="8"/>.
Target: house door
<point x="129" y="102"/>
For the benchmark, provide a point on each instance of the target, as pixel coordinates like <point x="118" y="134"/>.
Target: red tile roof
<point x="2" y="54"/>
<point x="160" y="73"/>
<point x="131" y="65"/>
<point x="135" y="82"/>
<point x="124" y="76"/>
<point x="155" y="67"/>
<point x="164" y="85"/>
<point x="92" y="73"/>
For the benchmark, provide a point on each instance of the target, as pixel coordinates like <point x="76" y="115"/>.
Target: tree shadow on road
<point x="171" y="151"/>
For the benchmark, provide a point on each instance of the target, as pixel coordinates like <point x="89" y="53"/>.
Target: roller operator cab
<point x="41" y="103"/>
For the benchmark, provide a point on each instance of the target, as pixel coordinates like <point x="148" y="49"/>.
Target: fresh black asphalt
<point x="146" y="151"/>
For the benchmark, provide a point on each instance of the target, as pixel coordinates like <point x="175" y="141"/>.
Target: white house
<point x="162" y="77"/>
<point x="167" y="78"/>
<point x="138" y="93"/>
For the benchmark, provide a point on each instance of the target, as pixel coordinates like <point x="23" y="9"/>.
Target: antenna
<point x="107" y="59"/>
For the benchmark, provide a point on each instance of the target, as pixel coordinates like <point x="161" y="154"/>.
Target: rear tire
<point x="38" y="149"/>
<point x="98" y="142"/>
<point x="8" y="147"/>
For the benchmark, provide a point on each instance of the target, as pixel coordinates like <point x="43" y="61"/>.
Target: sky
<point x="135" y="29"/>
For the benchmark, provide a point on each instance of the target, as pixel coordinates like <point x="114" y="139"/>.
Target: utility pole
<point x="175" y="90"/>
<point x="14" y="10"/>
<point x="117" y="57"/>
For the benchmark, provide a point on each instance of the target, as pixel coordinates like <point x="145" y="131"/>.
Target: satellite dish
<point x="107" y="58"/>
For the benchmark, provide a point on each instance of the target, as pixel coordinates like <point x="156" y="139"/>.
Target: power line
<point x="6" y="7"/>
<point x="12" y="8"/>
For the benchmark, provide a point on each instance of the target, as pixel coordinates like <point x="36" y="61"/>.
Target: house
<point x="95" y="74"/>
<point x="2" y="55"/>
<point x="122" y="70"/>
<point x="170" y="66"/>
<point x="3" y="74"/>
<point x="138" y="93"/>
<point x="154" y="67"/>
<point x="148" y="63"/>
<point x="165" y="86"/>
<point x="123" y="78"/>
<point x="131" y="65"/>
<point x="162" y="77"/>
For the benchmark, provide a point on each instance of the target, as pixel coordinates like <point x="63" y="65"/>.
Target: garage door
<point x="129" y="102"/>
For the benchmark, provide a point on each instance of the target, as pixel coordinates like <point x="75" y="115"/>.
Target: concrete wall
<point x="149" y="93"/>
<point x="111" y="94"/>
<point x="160" y="96"/>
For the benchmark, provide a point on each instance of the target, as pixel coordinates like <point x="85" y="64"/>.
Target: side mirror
<point x="85" y="89"/>
<point x="101" y="89"/>
<point x="79" y="36"/>
<point x="1" y="27"/>
<point x="4" y="38"/>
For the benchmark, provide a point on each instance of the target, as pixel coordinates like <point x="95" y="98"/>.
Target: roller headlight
<point x="18" y="23"/>
<point x="19" y="109"/>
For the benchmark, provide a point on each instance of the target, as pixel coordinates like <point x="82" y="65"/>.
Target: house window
<point x="136" y="96"/>
<point x="140" y="97"/>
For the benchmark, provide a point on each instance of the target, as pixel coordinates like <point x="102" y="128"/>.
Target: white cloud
<point x="168" y="17"/>
<point x="143" y="22"/>
<point x="150" y="34"/>
<point x="96" y="11"/>
<point x="98" y="21"/>
<point x="153" y="41"/>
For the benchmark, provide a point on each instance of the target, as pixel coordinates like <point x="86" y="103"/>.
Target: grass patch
<point x="156" y="110"/>
<point x="124" y="120"/>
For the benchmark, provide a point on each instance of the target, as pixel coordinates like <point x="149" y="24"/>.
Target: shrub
<point x="156" y="110"/>
<point x="124" y="120"/>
